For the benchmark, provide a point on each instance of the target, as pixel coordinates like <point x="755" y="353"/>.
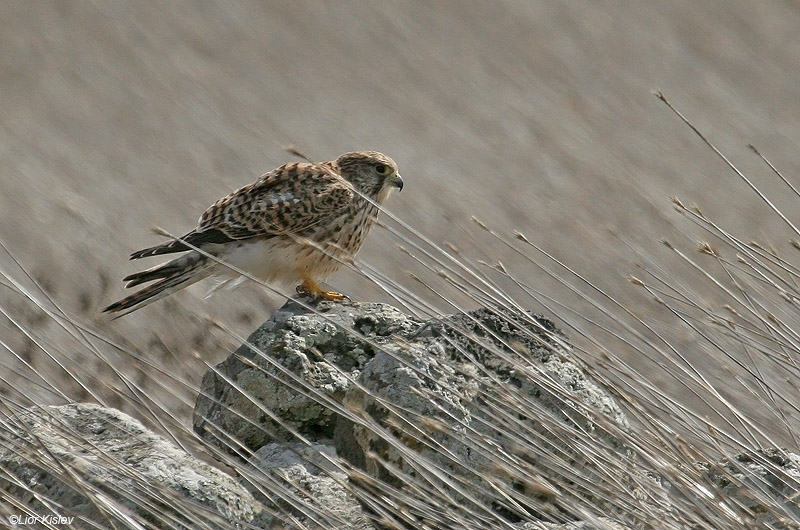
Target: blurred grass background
<point x="531" y="116"/>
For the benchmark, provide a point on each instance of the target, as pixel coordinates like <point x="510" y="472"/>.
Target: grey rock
<point x="474" y="421"/>
<point x="464" y="381"/>
<point x="290" y="373"/>
<point x="476" y="397"/>
<point x="757" y="485"/>
<point x="99" y="465"/>
<point x="311" y="483"/>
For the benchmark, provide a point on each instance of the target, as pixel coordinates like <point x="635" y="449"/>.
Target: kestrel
<point x="295" y="224"/>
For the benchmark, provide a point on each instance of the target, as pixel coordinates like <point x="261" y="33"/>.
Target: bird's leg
<point x="310" y="287"/>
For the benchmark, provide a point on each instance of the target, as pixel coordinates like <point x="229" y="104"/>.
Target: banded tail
<point x="185" y="243"/>
<point x="172" y="276"/>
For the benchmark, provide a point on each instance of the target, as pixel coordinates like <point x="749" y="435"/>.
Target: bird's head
<point x="373" y="174"/>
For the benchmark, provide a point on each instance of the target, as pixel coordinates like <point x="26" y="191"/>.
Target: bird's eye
<point x="382" y="170"/>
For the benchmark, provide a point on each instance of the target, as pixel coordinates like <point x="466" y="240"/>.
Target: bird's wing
<point x="288" y="200"/>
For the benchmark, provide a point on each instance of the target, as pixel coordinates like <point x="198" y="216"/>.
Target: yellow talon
<point x="334" y="296"/>
<point x="310" y="287"/>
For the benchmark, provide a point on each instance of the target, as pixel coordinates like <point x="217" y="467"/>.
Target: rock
<point x="460" y="391"/>
<point x="309" y="361"/>
<point x="380" y="420"/>
<point x="312" y="482"/>
<point x="486" y="399"/>
<point x="773" y="473"/>
<point x="101" y="466"/>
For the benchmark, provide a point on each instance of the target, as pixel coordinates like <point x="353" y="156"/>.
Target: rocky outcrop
<point x="464" y="405"/>
<point x="85" y="464"/>
<point x="310" y="483"/>
<point x="759" y="481"/>
<point x="358" y="416"/>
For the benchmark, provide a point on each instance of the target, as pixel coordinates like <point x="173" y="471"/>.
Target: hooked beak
<point x="397" y="181"/>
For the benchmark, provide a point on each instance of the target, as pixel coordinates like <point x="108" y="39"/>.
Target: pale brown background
<point x="530" y="115"/>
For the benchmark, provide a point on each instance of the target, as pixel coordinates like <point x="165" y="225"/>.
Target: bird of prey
<point x="295" y="224"/>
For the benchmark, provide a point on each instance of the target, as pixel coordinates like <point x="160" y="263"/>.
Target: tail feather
<point x="164" y="270"/>
<point x="164" y="248"/>
<point x="173" y="275"/>
<point x="194" y="238"/>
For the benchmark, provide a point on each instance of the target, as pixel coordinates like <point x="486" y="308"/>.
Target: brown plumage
<point x="294" y="224"/>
